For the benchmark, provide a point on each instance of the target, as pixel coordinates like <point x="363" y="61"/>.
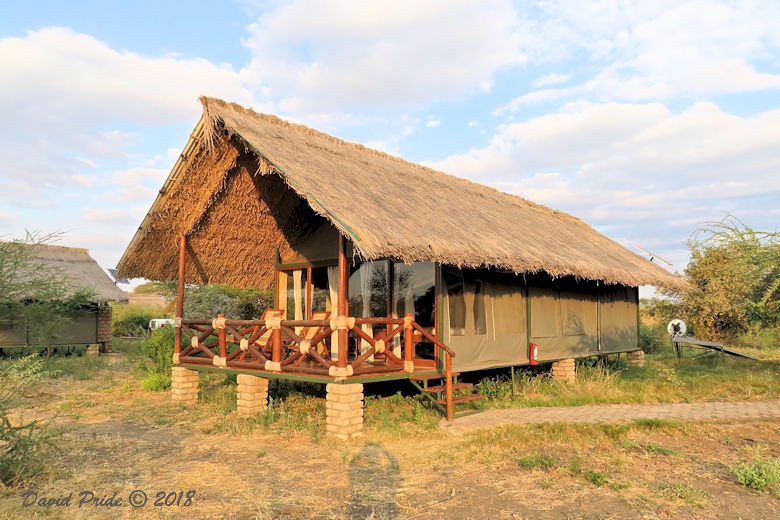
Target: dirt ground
<point x="120" y="439"/>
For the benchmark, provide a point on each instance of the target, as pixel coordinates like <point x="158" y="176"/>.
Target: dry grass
<point x="120" y="438"/>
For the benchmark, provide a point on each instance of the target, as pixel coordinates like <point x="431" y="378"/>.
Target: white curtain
<point x="333" y="292"/>
<point x="403" y="299"/>
<point x="366" y="278"/>
<point x="282" y="304"/>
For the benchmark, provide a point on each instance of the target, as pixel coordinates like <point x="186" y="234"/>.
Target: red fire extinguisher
<point x="534" y="354"/>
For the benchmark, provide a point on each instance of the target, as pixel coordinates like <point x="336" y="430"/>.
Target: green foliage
<point x="538" y="461"/>
<point x="22" y="443"/>
<point x="158" y="348"/>
<point x="394" y="412"/>
<point x="132" y="319"/>
<point x="758" y="474"/>
<point x="154" y="382"/>
<point x="162" y="288"/>
<point x="734" y="277"/>
<point x="496" y="388"/>
<point x="653" y="338"/>
<point x="206" y="301"/>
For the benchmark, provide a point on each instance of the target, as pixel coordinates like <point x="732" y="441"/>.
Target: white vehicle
<point x="160" y="322"/>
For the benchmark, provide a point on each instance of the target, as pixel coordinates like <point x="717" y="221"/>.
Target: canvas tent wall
<point x="490" y="318"/>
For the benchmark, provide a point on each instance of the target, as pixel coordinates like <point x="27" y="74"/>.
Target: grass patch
<point x="538" y="461"/>
<point x="396" y="414"/>
<point x="688" y="494"/>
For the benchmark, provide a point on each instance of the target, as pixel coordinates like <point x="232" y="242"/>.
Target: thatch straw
<point x="77" y="269"/>
<point x="388" y="207"/>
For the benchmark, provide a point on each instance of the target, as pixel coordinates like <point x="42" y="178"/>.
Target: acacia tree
<point x="734" y="277"/>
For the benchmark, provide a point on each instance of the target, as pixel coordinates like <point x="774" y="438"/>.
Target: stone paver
<point x="612" y="413"/>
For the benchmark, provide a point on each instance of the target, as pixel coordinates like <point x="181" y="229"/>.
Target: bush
<point x="158" y="348"/>
<point x="21" y="443"/>
<point x="653" y="338"/>
<point x="133" y="320"/>
<point x="206" y="301"/>
<point x="759" y="474"/>
<point x="155" y="382"/>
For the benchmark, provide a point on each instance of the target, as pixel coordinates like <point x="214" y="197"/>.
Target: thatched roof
<point x="387" y="207"/>
<point x="76" y="267"/>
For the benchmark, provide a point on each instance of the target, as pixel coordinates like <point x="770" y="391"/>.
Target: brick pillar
<point x="93" y="349"/>
<point x="184" y="386"/>
<point x="564" y="371"/>
<point x="344" y="415"/>
<point x="104" y="312"/>
<point x="252" y="397"/>
<point x="636" y="358"/>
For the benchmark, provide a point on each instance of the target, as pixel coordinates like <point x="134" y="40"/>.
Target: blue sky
<point x="644" y="119"/>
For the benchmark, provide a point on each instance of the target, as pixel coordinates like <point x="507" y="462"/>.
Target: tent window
<point x="466" y="298"/>
<point x="508" y="315"/>
<point x="414" y="286"/>
<point x="457" y="303"/>
<point x="320" y="298"/>
<point x="574" y="308"/>
<point x="368" y="290"/>
<point x="292" y="293"/>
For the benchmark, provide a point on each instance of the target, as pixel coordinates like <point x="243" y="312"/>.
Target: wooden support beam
<point x="448" y="385"/>
<point x="343" y="305"/>
<point x="222" y="335"/>
<point x="180" y="293"/>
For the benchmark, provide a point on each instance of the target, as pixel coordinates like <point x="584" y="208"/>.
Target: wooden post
<point x="276" y="345"/>
<point x="409" y="342"/>
<point x="180" y="293"/>
<point x="222" y="335"/>
<point x="448" y="384"/>
<point x="343" y="305"/>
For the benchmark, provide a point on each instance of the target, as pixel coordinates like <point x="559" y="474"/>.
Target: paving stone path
<point x="612" y="413"/>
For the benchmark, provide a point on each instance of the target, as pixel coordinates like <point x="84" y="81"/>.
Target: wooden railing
<point x="274" y="345"/>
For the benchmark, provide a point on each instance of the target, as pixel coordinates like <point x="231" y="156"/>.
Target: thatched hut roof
<point x="77" y="269"/>
<point x="386" y="206"/>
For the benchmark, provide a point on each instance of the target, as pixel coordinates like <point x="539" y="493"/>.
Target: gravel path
<point x="613" y="413"/>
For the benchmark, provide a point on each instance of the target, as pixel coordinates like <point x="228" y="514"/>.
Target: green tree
<point x="734" y="277"/>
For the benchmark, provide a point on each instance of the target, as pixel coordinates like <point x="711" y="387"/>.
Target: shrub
<point x="155" y="382"/>
<point x="158" y="348"/>
<point x="133" y="320"/>
<point x="653" y="338"/>
<point x="759" y="474"/>
<point x="206" y="301"/>
<point x="21" y="443"/>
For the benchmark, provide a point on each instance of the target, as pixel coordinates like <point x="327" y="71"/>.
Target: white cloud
<point x="331" y="56"/>
<point x="637" y="170"/>
<point x="633" y="51"/>
<point x="60" y="90"/>
<point x="552" y="79"/>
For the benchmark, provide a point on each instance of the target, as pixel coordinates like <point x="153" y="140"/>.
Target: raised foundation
<point x="564" y="371"/>
<point x="93" y="349"/>
<point x="636" y="359"/>
<point x="344" y="415"/>
<point x="252" y="396"/>
<point x="184" y="385"/>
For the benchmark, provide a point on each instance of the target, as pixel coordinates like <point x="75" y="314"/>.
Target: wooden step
<point x="443" y="388"/>
<point x="462" y="399"/>
<point x="428" y="377"/>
